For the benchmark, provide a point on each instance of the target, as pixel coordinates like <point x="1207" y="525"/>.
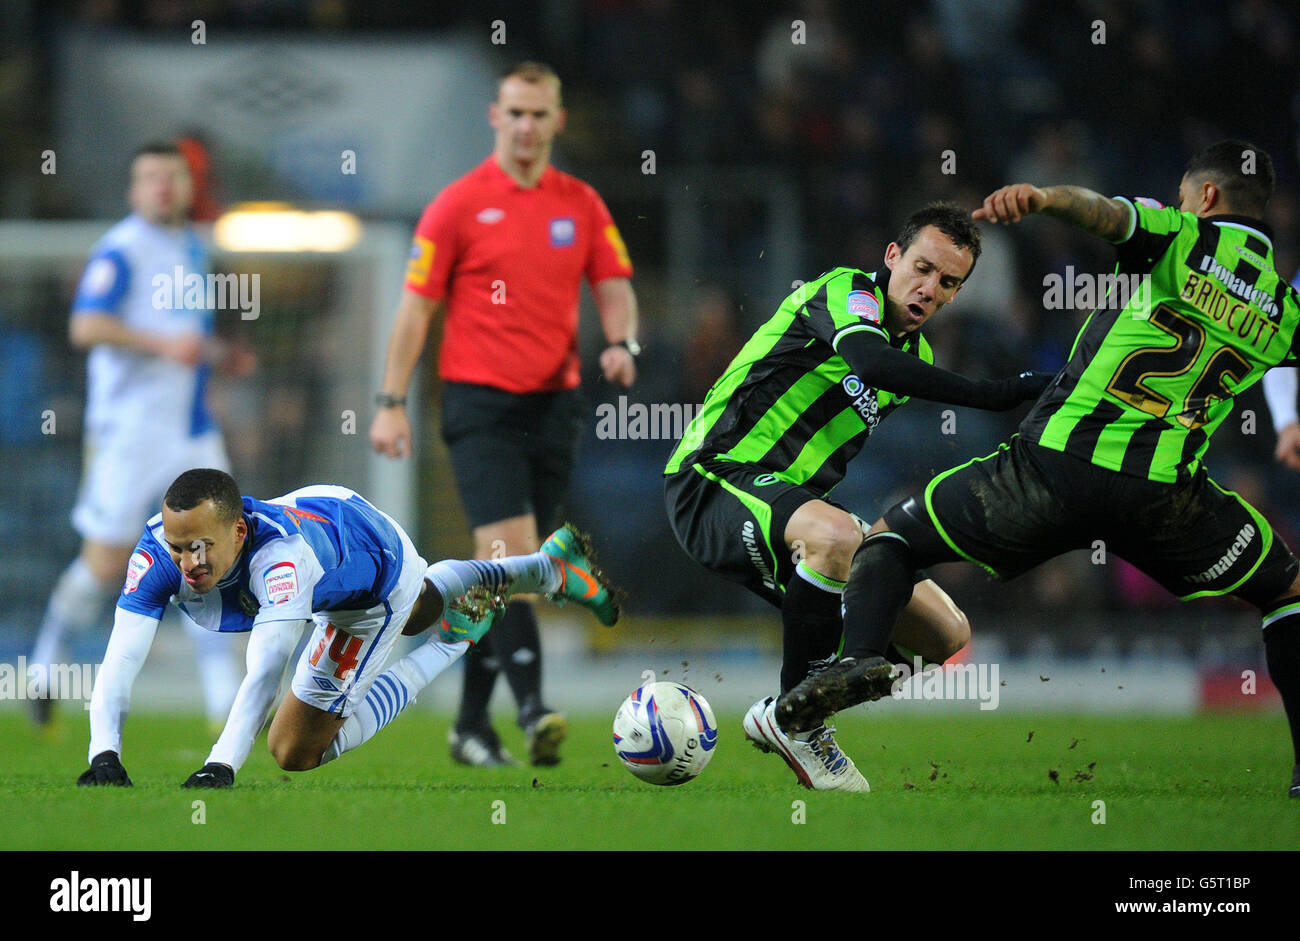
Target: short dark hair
<point x="535" y="73"/>
<point x="154" y="149"/>
<point x="1225" y="164"/>
<point x="948" y="218"/>
<point x="158" y="148"/>
<point x="206" y="483"/>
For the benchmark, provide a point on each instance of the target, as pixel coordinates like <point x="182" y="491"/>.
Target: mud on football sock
<point x="392" y="692"/>
<point x="811" y="623"/>
<point x="879" y="587"/>
<point x="1282" y="653"/>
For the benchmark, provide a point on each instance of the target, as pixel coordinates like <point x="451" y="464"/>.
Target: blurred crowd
<point x="871" y="109"/>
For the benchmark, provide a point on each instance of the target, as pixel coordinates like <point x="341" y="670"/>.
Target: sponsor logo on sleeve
<point x="863" y="304"/>
<point x="281" y="583"/>
<point x="1149" y="202"/>
<point x="563" y="232"/>
<point x="140" y="563"/>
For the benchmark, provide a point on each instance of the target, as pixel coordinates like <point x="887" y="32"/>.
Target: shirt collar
<point x="1250" y="224"/>
<point x="505" y="179"/>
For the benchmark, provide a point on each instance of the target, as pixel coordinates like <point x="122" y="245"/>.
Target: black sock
<point x="476" y="692"/>
<point x="811" y="628"/>
<point x="879" y="587"/>
<point x="1282" y="652"/>
<point x="519" y="652"/>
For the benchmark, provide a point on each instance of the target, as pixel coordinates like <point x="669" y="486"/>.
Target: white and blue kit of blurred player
<point x="146" y="421"/>
<point x="321" y="555"/>
<point x="147" y="418"/>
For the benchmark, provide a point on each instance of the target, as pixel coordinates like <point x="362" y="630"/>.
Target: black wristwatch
<point x="384" y="400"/>
<point x="631" y="345"/>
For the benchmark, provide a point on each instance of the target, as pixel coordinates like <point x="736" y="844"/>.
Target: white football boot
<point x="818" y="762"/>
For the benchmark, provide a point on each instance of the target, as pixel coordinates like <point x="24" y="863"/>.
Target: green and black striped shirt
<point x="788" y="402"/>
<point x="1196" y="314"/>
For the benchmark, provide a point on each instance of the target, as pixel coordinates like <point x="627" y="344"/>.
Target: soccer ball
<point x="665" y="733"/>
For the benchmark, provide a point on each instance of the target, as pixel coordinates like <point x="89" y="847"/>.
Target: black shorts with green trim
<point x="731" y="518"/>
<point x="1024" y="504"/>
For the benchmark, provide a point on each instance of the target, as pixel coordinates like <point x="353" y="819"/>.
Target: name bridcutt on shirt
<point x="103" y="894"/>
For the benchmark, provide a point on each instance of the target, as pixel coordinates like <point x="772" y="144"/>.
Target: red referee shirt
<point x="509" y="262"/>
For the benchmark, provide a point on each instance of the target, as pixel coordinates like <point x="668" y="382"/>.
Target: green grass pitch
<point x="955" y="782"/>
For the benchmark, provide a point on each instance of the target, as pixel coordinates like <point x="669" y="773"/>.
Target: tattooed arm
<point x="1096" y="214"/>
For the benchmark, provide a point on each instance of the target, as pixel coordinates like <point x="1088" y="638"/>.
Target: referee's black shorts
<point x="512" y="454"/>
<point x="1024" y="504"/>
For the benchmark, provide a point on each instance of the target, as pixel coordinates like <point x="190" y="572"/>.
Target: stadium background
<point x="735" y="160"/>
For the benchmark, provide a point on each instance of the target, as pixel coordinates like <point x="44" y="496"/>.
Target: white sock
<point x="76" y="605"/>
<point x="525" y="574"/>
<point x="393" y="691"/>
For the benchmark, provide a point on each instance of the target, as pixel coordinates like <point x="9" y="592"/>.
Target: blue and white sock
<point x="392" y="692"/>
<point x="524" y="574"/>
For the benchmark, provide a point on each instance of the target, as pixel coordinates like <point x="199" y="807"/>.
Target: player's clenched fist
<point x="105" y="768"/>
<point x="1010" y="203"/>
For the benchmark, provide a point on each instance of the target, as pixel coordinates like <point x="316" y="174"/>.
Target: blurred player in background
<point x="747" y="487"/>
<point x="1113" y="448"/>
<point x="1280" y="391"/>
<point x="319" y="556"/>
<point x="503" y="251"/>
<point x="146" y="417"/>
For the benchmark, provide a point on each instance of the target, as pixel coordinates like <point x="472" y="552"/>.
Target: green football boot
<point x="470" y="616"/>
<point x="580" y="579"/>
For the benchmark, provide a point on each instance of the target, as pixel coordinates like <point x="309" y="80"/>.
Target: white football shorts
<point x="348" y="649"/>
<point x="124" y="479"/>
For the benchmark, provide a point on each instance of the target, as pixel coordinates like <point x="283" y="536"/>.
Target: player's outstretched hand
<point x="105" y="768"/>
<point x="1032" y="384"/>
<point x="1011" y="203"/>
<point x="213" y="774"/>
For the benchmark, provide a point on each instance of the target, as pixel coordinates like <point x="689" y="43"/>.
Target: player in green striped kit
<point x="746" y="488"/>
<point x="1113" y="449"/>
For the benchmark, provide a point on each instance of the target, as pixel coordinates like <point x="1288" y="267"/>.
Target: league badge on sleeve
<point x="1149" y="202"/>
<point x="420" y="262"/>
<point x="138" y="566"/>
<point x="864" y="305"/>
<point x="100" y="277"/>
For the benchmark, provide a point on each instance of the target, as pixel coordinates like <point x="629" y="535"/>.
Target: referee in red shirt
<point x="503" y="251"/>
